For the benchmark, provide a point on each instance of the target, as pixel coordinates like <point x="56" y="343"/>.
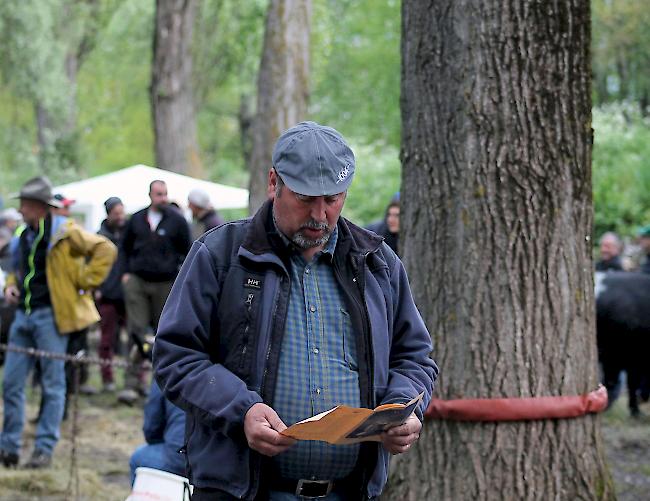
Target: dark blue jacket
<point x="217" y="347"/>
<point x="165" y="423"/>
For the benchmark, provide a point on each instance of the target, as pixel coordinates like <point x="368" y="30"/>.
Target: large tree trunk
<point x="496" y="114"/>
<point x="172" y="104"/>
<point x="282" y="86"/>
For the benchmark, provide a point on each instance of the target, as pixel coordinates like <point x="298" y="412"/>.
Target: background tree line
<point x="76" y="79"/>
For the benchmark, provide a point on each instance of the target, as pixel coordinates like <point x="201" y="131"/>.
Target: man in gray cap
<point x="57" y="265"/>
<point x="283" y="316"/>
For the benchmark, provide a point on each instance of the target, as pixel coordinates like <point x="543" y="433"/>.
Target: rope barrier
<point x="74" y="359"/>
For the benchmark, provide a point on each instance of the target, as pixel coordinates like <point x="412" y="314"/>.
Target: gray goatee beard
<point x="302" y="242"/>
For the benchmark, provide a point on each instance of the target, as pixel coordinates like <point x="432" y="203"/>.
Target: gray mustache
<point x="315" y="225"/>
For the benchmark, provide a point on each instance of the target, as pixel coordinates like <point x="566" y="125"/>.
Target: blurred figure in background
<point x="57" y="266"/>
<point x="65" y="204"/>
<point x="644" y="241"/>
<point x="389" y="226"/>
<point x="110" y="297"/>
<point x="155" y="242"/>
<point x="205" y="217"/>
<point x="164" y="431"/>
<point x="9" y="219"/>
<point x="610" y="253"/>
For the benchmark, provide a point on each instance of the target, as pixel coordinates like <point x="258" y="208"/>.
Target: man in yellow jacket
<point x="56" y="267"/>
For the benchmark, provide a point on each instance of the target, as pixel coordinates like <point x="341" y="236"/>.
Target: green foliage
<point x="621" y="177"/>
<point x="356" y="68"/>
<point x="621" y="50"/>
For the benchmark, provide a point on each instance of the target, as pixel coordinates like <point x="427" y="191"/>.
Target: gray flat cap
<point x="313" y="160"/>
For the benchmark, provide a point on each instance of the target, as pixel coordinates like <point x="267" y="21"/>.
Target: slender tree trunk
<point x="57" y="137"/>
<point x="496" y="152"/>
<point x="172" y="104"/>
<point x="282" y="86"/>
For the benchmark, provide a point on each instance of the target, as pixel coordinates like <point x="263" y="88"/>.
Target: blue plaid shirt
<point x="318" y="366"/>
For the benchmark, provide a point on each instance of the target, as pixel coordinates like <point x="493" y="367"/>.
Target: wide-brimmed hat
<point x="39" y="188"/>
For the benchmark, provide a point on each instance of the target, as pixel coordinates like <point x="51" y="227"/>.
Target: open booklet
<point x="349" y="425"/>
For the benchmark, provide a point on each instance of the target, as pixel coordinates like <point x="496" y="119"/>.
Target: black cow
<point x="623" y="332"/>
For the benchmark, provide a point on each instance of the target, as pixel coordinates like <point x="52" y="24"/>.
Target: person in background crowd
<point x="164" y="432"/>
<point x="109" y="296"/>
<point x="644" y="242"/>
<point x="389" y="226"/>
<point x="58" y="264"/>
<point x="279" y="317"/>
<point x="205" y="217"/>
<point x="155" y="242"/>
<point x="9" y="219"/>
<point x="66" y="203"/>
<point x="610" y="250"/>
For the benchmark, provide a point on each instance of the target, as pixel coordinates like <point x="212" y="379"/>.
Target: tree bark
<point x="497" y="215"/>
<point x="172" y="104"/>
<point x="282" y="86"/>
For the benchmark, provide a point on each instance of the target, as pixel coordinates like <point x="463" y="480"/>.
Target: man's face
<point x="608" y="248"/>
<point x="193" y="208"/>
<point x="392" y="219"/>
<point x="32" y="211"/>
<point x="307" y="221"/>
<point x="158" y="195"/>
<point x="117" y="216"/>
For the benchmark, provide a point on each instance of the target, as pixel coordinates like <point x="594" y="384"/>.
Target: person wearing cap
<point x="285" y="315"/>
<point x="644" y="242"/>
<point x="205" y="217"/>
<point x="57" y="265"/>
<point x="65" y="204"/>
<point x="155" y="242"/>
<point x="110" y="296"/>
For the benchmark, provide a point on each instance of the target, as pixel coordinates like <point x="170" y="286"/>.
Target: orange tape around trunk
<point x="518" y="409"/>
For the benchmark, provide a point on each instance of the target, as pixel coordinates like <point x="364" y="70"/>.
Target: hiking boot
<point x="8" y="459"/>
<point x="109" y="388"/>
<point x="87" y="389"/>
<point x="39" y="459"/>
<point x="127" y="396"/>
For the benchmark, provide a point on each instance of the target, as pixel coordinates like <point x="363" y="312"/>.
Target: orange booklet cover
<point x="349" y="425"/>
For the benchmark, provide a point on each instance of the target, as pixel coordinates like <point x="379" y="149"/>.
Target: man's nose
<point x="318" y="209"/>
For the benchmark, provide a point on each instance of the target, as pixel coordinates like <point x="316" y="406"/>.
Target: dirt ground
<point x="109" y="432"/>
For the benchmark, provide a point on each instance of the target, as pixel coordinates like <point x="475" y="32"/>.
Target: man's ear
<point x="273" y="182"/>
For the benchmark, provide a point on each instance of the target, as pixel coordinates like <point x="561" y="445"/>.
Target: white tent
<point x="132" y="186"/>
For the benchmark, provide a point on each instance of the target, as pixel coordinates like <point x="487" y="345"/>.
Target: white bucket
<point x="158" y="485"/>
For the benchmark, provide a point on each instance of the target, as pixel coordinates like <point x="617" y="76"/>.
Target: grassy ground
<point x="109" y="432"/>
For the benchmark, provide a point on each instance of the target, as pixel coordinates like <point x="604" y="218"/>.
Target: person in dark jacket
<point x="644" y="241"/>
<point x="155" y="242"/>
<point x="279" y="317"/>
<point x="164" y="429"/>
<point x="389" y="226"/>
<point x="610" y="250"/>
<point x="205" y="217"/>
<point x="110" y="297"/>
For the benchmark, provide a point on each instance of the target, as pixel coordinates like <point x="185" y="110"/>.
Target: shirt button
<point x="312" y="308"/>
<point x="316" y="351"/>
<point x="307" y="271"/>
<point x="318" y="391"/>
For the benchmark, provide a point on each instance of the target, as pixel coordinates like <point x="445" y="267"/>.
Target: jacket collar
<point x="262" y="237"/>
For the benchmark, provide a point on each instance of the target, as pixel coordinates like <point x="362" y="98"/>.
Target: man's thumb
<point x="275" y="421"/>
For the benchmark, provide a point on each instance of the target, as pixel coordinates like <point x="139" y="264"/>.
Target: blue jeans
<point x="150" y="456"/>
<point x="39" y="331"/>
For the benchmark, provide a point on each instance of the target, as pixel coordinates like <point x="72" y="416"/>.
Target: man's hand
<point x="12" y="294"/>
<point x="399" y="439"/>
<point x="262" y="427"/>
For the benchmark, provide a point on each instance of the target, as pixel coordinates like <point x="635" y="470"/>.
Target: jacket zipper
<point x="32" y="267"/>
